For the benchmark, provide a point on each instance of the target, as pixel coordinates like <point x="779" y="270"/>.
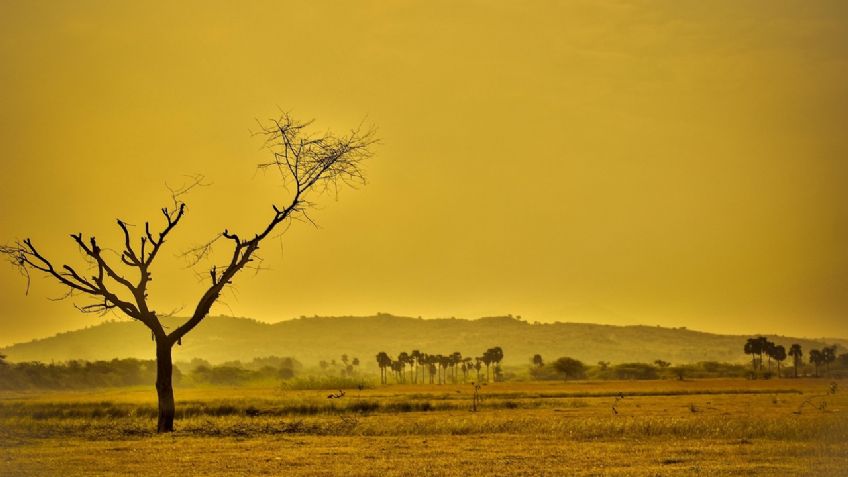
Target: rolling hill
<point x="223" y="338"/>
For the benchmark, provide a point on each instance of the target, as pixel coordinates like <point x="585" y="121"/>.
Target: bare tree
<point x="308" y="164"/>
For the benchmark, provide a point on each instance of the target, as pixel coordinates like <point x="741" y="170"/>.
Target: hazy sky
<point x="674" y="163"/>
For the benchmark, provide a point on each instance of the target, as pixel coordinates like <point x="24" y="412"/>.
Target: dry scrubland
<point x="706" y="427"/>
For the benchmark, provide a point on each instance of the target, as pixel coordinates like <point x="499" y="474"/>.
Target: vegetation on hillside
<point x="313" y="339"/>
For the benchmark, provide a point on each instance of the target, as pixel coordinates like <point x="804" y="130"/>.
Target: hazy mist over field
<point x="674" y="163"/>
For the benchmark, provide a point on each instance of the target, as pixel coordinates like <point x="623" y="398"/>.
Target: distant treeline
<point x="412" y="367"/>
<point x="135" y="372"/>
<point x="569" y="368"/>
<point x="271" y="369"/>
<point x="79" y="374"/>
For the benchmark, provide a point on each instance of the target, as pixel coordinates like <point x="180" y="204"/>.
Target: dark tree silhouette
<point x="569" y="367"/>
<point x="816" y="359"/>
<point x="455" y="360"/>
<point x="398" y="367"/>
<point x="751" y="348"/>
<point x="492" y="356"/>
<point x="465" y="367"/>
<point x="307" y="163"/>
<point x="537" y="361"/>
<point x="769" y="350"/>
<point x="828" y="356"/>
<point x="779" y="354"/>
<point x="797" y="354"/>
<point x="444" y="364"/>
<point x="403" y="359"/>
<point x="487" y="360"/>
<point x="423" y="364"/>
<point x="756" y="347"/>
<point x="383" y="361"/>
<point x="662" y="364"/>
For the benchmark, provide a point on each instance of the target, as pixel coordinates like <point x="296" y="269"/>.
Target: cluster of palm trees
<point x="824" y="356"/>
<point x="438" y="368"/>
<point x="760" y="346"/>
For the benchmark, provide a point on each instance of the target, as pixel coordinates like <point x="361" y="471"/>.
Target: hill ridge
<point x="311" y="339"/>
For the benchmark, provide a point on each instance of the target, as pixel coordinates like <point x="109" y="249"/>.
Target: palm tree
<point x="487" y="360"/>
<point x="816" y="359"/>
<point x="383" y="361"/>
<point x="444" y="363"/>
<point x="422" y="361"/>
<point x="431" y="368"/>
<point x="797" y="354"/>
<point x="769" y="349"/>
<point x="436" y="362"/>
<point x="397" y="368"/>
<point x="828" y="356"/>
<point x="779" y="354"/>
<point x="403" y="359"/>
<point x="762" y="346"/>
<point x="497" y="357"/>
<point x="755" y="347"/>
<point x="456" y="358"/>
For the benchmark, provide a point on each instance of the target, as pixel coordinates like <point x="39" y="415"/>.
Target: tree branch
<point x="308" y="162"/>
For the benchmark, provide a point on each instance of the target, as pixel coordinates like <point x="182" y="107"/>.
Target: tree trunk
<point x="165" y="387"/>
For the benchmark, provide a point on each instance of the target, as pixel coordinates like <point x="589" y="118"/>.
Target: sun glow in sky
<point x="675" y="163"/>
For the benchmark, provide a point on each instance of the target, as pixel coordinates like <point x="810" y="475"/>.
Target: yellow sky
<point x="672" y="163"/>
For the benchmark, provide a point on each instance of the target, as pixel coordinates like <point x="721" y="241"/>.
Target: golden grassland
<point x="696" y="427"/>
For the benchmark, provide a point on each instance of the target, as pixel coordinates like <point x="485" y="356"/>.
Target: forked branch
<point x="307" y="163"/>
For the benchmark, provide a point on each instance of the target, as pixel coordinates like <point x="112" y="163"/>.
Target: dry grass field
<point x="697" y="427"/>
